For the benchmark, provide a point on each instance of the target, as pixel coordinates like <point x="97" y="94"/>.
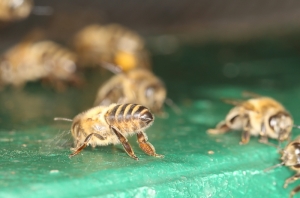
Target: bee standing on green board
<point x="290" y="157"/>
<point x="257" y="116"/>
<point x="136" y="86"/>
<point x="104" y="125"/>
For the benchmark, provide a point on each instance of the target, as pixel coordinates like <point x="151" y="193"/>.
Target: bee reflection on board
<point x="290" y="157"/>
<point x="35" y="60"/>
<point x="136" y="86"/>
<point x="112" y="43"/>
<point x="104" y="125"/>
<point x="13" y="10"/>
<point x="257" y="116"/>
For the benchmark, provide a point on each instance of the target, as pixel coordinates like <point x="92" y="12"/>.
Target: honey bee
<point x="30" y="61"/>
<point x="13" y="10"/>
<point x="257" y="116"/>
<point x="113" y="43"/>
<point x="291" y="158"/>
<point x="136" y="86"/>
<point x="104" y="125"/>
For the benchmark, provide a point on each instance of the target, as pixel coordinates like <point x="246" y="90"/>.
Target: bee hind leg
<point x="220" y="128"/>
<point x="294" y="191"/>
<point x="146" y="146"/>
<point x="125" y="143"/>
<point x="291" y="179"/>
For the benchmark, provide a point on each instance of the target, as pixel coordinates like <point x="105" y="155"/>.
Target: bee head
<point x="281" y="124"/>
<point x="291" y="154"/>
<point x="155" y="94"/>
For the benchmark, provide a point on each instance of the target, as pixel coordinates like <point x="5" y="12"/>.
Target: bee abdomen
<point x="127" y="116"/>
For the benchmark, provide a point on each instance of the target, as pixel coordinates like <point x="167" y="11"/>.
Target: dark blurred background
<point x="200" y="20"/>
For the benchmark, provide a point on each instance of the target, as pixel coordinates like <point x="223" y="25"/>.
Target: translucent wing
<point x="248" y="94"/>
<point x="244" y="103"/>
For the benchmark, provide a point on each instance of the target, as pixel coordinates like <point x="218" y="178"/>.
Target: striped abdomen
<point x="129" y="117"/>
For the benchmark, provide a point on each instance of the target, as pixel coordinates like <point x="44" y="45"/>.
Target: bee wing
<point x="234" y="102"/>
<point x="243" y="103"/>
<point x="248" y="94"/>
<point x="98" y="128"/>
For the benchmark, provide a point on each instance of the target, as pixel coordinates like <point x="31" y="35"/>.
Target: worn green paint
<point x="34" y="149"/>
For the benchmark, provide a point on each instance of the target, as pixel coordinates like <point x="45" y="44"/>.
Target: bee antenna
<point x="63" y="119"/>
<point x="296" y="126"/>
<point x="173" y="106"/>
<point x="272" y="167"/>
<point x="111" y="67"/>
<point x="42" y="10"/>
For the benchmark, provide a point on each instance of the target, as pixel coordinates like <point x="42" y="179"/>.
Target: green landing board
<point x="34" y="149"/>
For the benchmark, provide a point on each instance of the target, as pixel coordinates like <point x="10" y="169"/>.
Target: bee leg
<point x="220" y="128"/>
<point x="125" y="143"/>
<point x="294" y="191"/>
<point x="246" y="133"/>
<point x="146" y="146"/>
<point x="245" y="137"/>
<point x="263" y="139"/>
<point x="85" y="143"/>
<point x="291" y="179"/>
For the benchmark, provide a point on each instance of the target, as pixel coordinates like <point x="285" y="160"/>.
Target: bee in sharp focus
<point x="113" y="44"/>
<point x="257" y="116"/>
<point x="13" y="10"/>
<point x="103" y="125"/>
<point x="290" y="156"/>
<point x="136" y="86"/>
<point x="31" y="61"/>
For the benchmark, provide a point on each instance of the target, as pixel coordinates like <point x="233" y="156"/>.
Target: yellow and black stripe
<point x="129" y="117"/>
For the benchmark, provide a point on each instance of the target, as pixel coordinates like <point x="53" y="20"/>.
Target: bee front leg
<point x="146" y="146"/>
<point x="85" y="143"/>
<point x="124" y="142"/>
<point x="294" y="191"/>
<point x="264" y="139"/>
<point x="78" y="150"/>
<point x="220" y="128"/>
<point x="246" y="132"/>
<point x="291" y="179"/>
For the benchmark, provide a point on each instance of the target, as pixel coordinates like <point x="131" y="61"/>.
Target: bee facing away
<point x="113" y="44"/>
<point x="103" y="125"/>
<point x="31" y="61"/>
<point x="12" y="10"/>
<point x="136" y="86"/>
<point x="257" y="116"/>
<point x="290" y="156"/>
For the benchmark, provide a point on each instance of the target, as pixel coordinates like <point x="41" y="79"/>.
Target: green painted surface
<point x="34" y="149"/>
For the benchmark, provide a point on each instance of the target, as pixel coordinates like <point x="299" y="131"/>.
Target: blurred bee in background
<point x="290" y="156"/>
<point x="257" y="116"/>
<point x="136" y="86"/>
<point x="34" y="60"/>
<point x="113" y="44"/>
<point x="13" y="10"/>
<point x="104" y="125"/>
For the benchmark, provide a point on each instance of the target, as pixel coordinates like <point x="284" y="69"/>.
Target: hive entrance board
<point x="34" y="159"/>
